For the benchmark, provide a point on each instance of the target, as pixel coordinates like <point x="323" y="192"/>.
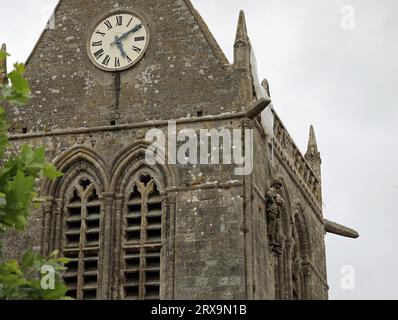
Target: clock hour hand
<point x="120" y="47"/>
<point x="124" y="35"/>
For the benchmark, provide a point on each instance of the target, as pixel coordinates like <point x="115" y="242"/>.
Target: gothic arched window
<point x="288" y="238"/>
<point x="81" y="238"/>
<point x="294" y="253"/>
<point x="142" y="239"/>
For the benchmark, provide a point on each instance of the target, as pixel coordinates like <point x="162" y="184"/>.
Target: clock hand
<point x="120" y="46"/>
<point x="124" y="35"/>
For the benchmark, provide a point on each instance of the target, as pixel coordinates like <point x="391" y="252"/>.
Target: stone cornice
<point x="218" y="185"/>
<point x="138" y="125"/>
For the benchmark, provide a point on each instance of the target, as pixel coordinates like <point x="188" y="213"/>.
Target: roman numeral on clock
<point x="136" y="49"/>
<point x="97" y="43"/>
<point x="129" y="22"/>
<point x="119" y="20"/>
<point x="98" y="54"/>
<point x="106" y="60"/>
<point x="128" y="59"/>
<point x="117" y="62"/>
<point x="139" y="38"/>
<point x="108" y="24"/>
<point x="100" y="33"/>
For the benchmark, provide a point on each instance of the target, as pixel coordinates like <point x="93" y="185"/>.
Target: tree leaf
<point x="28" y="259"/>
<point x="50" y="172"/>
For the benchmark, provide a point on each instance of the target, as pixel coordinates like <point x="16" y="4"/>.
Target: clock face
<point x="118" y="42"/>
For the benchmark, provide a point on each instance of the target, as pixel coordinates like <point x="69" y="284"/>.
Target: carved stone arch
<point x="302" y="229"/>
<point x="133" y="158"/>
<point x="286" y="210"/>
<point x="283" y="277"/>
<point x="302" y="252"/>
<point x="76" y="159"/>
<point x="75" y="220"/>
<point x="142" y="222"/>
<point x="119" y="184"/>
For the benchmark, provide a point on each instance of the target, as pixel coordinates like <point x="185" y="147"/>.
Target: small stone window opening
<point x="82" y="240"/>
<point x="200" y="114"/>
<point x="24" y="130"/>
<point x="142" y="241"/>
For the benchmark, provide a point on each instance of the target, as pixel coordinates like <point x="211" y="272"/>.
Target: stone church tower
<point x="138" y="231"/>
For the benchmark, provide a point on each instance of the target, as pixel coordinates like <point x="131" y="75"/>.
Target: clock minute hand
<point x="124" y="35"/>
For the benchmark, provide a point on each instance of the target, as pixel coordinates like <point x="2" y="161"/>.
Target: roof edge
<point x="202" y="24"/>
<point x="207" y="33"/>
<point x="41" y="35"/>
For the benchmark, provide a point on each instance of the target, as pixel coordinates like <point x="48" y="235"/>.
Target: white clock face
<point x="118" y="41"/>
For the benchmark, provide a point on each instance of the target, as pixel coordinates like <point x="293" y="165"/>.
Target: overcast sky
<point x="344" y="81"/>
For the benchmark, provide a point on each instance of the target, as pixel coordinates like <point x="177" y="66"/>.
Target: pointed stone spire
<point x="3" y="67"/>
<point x="265" y="85"/>
<point x="242" y="45"/>
<point x="312" y="145"/>
<point x="312" y="155"/>
<point x="242" y="38"/>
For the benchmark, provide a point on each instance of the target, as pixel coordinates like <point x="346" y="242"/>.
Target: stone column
<point x="168" y="253"/>
<point x="117" y="246"/>
<point x="289" y="246"/>
<point x="48" y="215"/>
<point x="107" y="243"/>
<point x="55" y="242"/>
<point x="248" y="219"/>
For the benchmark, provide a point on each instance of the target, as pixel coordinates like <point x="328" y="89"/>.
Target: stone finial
<point x="242" y="37"/>
<point x="312" y="155"/>
<point x="3" y="67"/>
<point x="242" y="48"/>
<point x="265" y="85"/>
<point x="312" y="145"/>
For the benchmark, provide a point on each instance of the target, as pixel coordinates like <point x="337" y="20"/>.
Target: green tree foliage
<point x="28" y="278"/>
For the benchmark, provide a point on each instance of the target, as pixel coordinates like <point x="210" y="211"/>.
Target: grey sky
<point x="342" y="81"/>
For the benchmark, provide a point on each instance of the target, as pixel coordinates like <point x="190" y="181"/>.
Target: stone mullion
<point x="118" y="246"/>
<point x="144" y="210"/>
<point x="148" y="190"/>
<point x="106" y="246"/>
<point x="167" y="261"/>
<point x="83" y="215"/>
